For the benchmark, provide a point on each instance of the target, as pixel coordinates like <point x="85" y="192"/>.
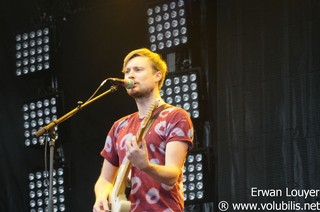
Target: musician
<point x="156" y="171"/>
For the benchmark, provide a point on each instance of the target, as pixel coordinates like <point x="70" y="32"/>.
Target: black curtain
<point x="268" y="74"/>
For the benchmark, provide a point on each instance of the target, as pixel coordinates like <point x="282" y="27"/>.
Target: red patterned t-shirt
<point x="147" y="194"/>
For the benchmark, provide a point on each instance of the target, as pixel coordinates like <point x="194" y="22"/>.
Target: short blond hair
<point x="158" y="64"/>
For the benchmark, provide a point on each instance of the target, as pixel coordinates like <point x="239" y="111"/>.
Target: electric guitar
<point x="117" y="198"/>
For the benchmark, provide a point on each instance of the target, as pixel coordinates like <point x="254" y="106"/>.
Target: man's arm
<point x="168" y="174"/>
<point x="104" y="186"/>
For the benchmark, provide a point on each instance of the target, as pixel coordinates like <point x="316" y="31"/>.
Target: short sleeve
<point x="179" y="126"/>
<point x="109" y="151"/>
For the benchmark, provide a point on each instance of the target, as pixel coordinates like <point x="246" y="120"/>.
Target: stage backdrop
<point x="262" y="68"/>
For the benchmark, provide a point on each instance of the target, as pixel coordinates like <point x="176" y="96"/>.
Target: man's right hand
<point x="101" y="205"/>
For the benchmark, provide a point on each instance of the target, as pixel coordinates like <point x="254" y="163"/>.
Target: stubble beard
<point x="142" y="94"/>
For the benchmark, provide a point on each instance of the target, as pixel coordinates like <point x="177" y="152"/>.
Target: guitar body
<point x="120" y="204"/>
<point x="117" y="199"/>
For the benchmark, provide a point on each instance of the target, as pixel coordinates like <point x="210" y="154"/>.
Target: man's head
<point x="158" y="64"/>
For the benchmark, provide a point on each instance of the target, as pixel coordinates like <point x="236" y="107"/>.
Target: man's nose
<point x="131" y="74"/>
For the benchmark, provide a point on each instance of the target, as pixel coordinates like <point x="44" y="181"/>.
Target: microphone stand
<point x="52" y="134"/>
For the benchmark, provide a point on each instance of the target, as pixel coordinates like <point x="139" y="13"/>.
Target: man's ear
<point x="158" y="76"/>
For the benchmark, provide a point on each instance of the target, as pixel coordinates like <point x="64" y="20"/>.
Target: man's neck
<point x="144" y="104"/>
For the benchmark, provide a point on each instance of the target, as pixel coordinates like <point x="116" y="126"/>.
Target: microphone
<point x="127" y="83"/>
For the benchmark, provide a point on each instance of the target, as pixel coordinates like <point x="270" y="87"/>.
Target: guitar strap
<point x="154" y="117"/>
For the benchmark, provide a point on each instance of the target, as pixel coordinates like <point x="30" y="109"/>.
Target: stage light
<point x="167" y="25"/>
<point x="182" y="89"/>
<point x="38" y="113"/>
<point x="33" y="51"/>
<point x="39" y="190"/>
<point x="196" y="171"/>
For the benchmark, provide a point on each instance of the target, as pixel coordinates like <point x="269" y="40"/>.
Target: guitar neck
<point x="120" y="184"/>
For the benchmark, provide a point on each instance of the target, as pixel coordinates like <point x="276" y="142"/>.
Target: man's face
<point x="139" y="69"/>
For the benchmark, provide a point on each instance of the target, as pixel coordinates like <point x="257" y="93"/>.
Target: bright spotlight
<point x="38" y="113"/>
<point x="182" y="89"/>
<point x="167" y="25"/>
<point x="39" y="190"/>
<point x="33" y="51"/>
<point x="197" y="186"/>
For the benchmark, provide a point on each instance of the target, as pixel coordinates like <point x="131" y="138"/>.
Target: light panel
<point x="39" y="190"/>
<point x="196" y="170"/>
<point x="37" y="114"/>
<point x="33" y="51"/>
<point x="167" y="25"/>
<point x="182" y="89"/>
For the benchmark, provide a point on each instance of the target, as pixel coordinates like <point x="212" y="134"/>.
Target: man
<point x="156" y="171"/>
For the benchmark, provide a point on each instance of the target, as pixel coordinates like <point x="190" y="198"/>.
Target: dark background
<point x="260" y="62"/>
